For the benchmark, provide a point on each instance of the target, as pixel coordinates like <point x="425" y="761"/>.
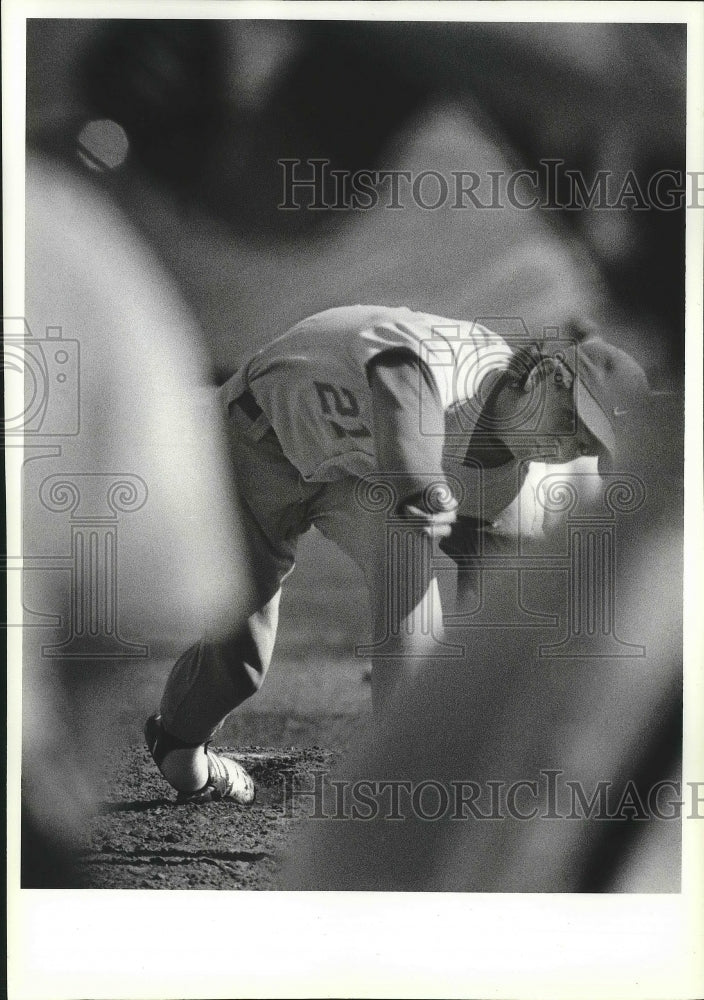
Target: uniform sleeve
<point x="409" y="423"/>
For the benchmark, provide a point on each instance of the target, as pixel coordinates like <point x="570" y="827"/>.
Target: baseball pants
<point x="277" y="506"/>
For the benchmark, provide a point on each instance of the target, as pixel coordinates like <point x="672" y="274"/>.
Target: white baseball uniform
<point x="347" y="393"/>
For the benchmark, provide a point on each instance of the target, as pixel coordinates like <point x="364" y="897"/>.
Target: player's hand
<point x="434" y="510"/>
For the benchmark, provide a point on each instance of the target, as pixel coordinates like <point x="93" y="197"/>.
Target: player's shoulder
<point x="350" y="323"/>
<point x="462" y="334"/>
<point x="389" y="323"/>
<point x="356" y="315"/>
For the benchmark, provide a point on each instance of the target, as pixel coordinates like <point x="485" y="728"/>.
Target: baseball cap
<point x="609" y="383"/>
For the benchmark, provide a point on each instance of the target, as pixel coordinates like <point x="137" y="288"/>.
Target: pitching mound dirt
<point x="140" y="839"/>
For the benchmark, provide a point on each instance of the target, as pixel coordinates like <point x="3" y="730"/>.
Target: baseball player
<point x="355" y="415"/>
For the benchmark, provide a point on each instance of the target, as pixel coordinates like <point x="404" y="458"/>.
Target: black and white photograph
<point x="353" y="449"/>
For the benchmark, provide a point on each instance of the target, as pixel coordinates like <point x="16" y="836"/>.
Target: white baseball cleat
<point x="226" y="778"/>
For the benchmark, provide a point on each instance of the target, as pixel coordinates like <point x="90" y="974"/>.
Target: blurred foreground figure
<point x="528" y="766"/>
<point x="361" y="419"/>
<point x="130" y="529"/>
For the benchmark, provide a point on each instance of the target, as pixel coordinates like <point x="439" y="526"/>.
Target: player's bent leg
<point x="213" y="677"/>
<point x="407" y="624"/>
<point x="217" y="674"/>
<point x="406" y="614"/>
<point x="405" y="608"/>
<point x="207" y="682"/>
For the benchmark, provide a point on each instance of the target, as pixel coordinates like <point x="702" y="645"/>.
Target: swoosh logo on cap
<point x="619" y="411"/>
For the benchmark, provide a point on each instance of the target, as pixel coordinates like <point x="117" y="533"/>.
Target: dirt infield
<point x="306" y="716"/>
<point x="140" y="838"/>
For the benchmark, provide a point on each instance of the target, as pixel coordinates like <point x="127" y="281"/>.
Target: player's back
<point x="312" y="382"/>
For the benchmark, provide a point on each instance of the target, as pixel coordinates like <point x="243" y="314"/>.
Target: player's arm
<point x="410" y="453"/>
<point x="409" y="448"/>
